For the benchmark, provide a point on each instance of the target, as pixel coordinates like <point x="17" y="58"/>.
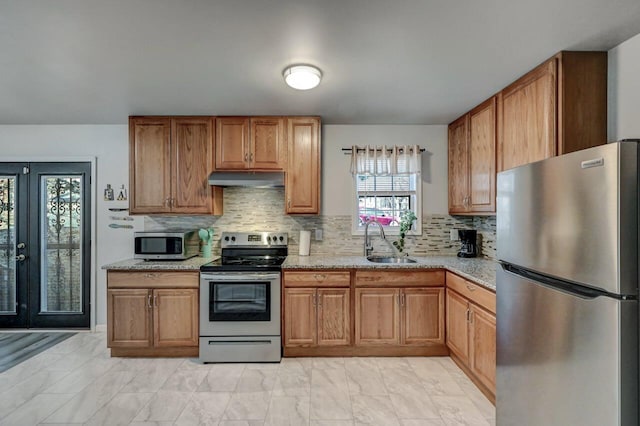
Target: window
<point x="384" y="198"/>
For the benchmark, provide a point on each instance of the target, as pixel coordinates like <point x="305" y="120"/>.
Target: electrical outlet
<point x="319" y="234"/>
<point x="453" y="234"/>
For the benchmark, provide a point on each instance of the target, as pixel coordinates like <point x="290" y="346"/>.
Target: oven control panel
<point x="253" y="239"/>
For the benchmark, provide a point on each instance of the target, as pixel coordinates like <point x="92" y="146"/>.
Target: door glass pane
<point x="7" y="245"/>
<point x="61" y="275"/>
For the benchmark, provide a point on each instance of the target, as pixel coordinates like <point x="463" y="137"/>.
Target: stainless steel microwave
<point x="166" y="245"/>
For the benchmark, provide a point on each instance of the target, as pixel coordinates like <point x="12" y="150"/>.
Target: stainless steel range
<point x="240" y="299"/>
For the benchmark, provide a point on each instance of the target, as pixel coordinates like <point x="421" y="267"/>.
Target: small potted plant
<point x="406" y="221"/>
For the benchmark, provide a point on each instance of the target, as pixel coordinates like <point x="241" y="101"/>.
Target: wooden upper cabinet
<point x="149" y="165"/>
<point x="170" y="160"/>
<point x="232" y="143"/>
<point x="192" y="144"/>
<point x="482" y="158"/>
<point x="302" y="186"/>
<point x="528" y="114"/>
<point x="557" y="108"/>
<point x="459" y="164"/>
<point x="472" y="164"/>
<point x="267" y="148"/>
<point x="250" y="143"/>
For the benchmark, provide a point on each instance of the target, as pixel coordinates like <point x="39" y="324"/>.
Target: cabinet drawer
<point x="153" y="279"/>
<point x="473" y="292"/>
<point x="377" y="278"/>
<point x="317" y="279"/>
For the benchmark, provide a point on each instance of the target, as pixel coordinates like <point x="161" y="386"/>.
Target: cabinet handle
<point x="167" y="202"/>
<point x="398" y="299"/>
<point x="319" y="277"/>
<point x="470" y="317"/>
<point x="251" y="156"/>
<point x="155" y="300"/>
<point x="173" y="202"/>
<point x="313" y="300"/>
<point x="289" y="203"/>
<point x="150" y="275"/>
<point x="402" y="299"/>
<point x="471" y="288"/>
<point x="468" y="312"/>
<point x="246" y="157"/>
<point x="149" y="302"/>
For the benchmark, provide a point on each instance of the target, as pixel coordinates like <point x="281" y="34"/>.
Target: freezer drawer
<point x="563" y="359"/>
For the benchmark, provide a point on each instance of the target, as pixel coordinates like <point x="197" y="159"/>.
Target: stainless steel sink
<point x="389" y="259"/>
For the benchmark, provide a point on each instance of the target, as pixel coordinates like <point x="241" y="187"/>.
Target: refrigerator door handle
<point x="561" y="285"/>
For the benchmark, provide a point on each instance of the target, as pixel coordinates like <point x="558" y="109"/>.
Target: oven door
<point x="239" y="303"/>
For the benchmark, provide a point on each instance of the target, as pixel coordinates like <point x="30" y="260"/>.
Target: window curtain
<point x="385" y="160"/>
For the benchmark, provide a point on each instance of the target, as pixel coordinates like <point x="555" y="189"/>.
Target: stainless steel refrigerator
<point x="567" y="288"/>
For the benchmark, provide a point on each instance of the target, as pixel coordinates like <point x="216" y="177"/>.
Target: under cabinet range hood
<point x="252" y="179"/>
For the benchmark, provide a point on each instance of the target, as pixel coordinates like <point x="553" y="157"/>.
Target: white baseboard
<point x="101" y="328"/>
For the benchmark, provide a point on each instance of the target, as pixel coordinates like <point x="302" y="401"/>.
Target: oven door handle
<point x="239" y="277"/>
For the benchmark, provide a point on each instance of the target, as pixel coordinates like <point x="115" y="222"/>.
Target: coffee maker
<point x="469" y="246"/>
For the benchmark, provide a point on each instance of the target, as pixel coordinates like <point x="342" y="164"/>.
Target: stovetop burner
<point x="257" y="251"/>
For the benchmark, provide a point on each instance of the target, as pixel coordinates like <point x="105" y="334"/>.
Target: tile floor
<point x="76" y="382"/>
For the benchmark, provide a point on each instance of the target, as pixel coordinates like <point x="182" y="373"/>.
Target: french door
<point x="45" y="246"/>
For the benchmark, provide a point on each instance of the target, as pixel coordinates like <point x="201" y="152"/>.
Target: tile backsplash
<point x="261" y="209"/>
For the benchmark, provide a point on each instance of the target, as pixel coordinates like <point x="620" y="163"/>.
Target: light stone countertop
<point x="193" y="263"/>
<point x="481" y="271"/>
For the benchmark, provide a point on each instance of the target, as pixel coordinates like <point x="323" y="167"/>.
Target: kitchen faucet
<point x="368" y="246"/>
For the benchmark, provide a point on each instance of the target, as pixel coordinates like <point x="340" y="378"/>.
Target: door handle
<point x="21" y="245"/>
<point x="21" y="257"/>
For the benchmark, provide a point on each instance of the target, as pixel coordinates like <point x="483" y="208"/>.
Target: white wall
<point x="624" y="90"/>
<point x="109" y="145"/>
<point x="337" y="183"/>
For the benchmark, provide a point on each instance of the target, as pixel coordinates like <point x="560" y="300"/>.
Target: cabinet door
<point x="482" y="353"/>
<point x="300" y="323"/>
<point x="267" y="150"/>
<point x="149" y="165"/>
<point x="129" y="318"/>
<point x="192" y="151"/>
<point x="302" y="185"/>
<point x="377" y="316"/>
<point x="232" y="143"/>
<point x="459" y="164"/>
<point x="333" y="316"/>
<point x="457" y="313"/>
<point x="482" y="157"/>
<point x="175" y="317"/>
<point x="422" y="316"/>
<point x="528" y="118"/>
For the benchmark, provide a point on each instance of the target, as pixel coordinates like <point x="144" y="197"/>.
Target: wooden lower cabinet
<point x="482" y="351"/>
<point x="471" y="331"/>
<point x="316" y="317"/>
<point x="175" y="317"/>
<point x="399" y="316"/>
<point x="377" y="316"/>
<point x="152" y="321"/>
<point x="129" y="324"/>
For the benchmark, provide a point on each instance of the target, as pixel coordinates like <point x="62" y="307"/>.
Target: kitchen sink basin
<point x="389" y="259"/>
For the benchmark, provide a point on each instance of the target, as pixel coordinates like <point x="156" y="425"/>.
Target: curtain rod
<point x="349" y="150"/>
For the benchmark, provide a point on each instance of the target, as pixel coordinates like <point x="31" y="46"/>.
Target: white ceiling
<point x="384" y="61"/>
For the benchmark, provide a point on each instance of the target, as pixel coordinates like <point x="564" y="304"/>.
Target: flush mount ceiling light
<point x="302" y="77"/>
